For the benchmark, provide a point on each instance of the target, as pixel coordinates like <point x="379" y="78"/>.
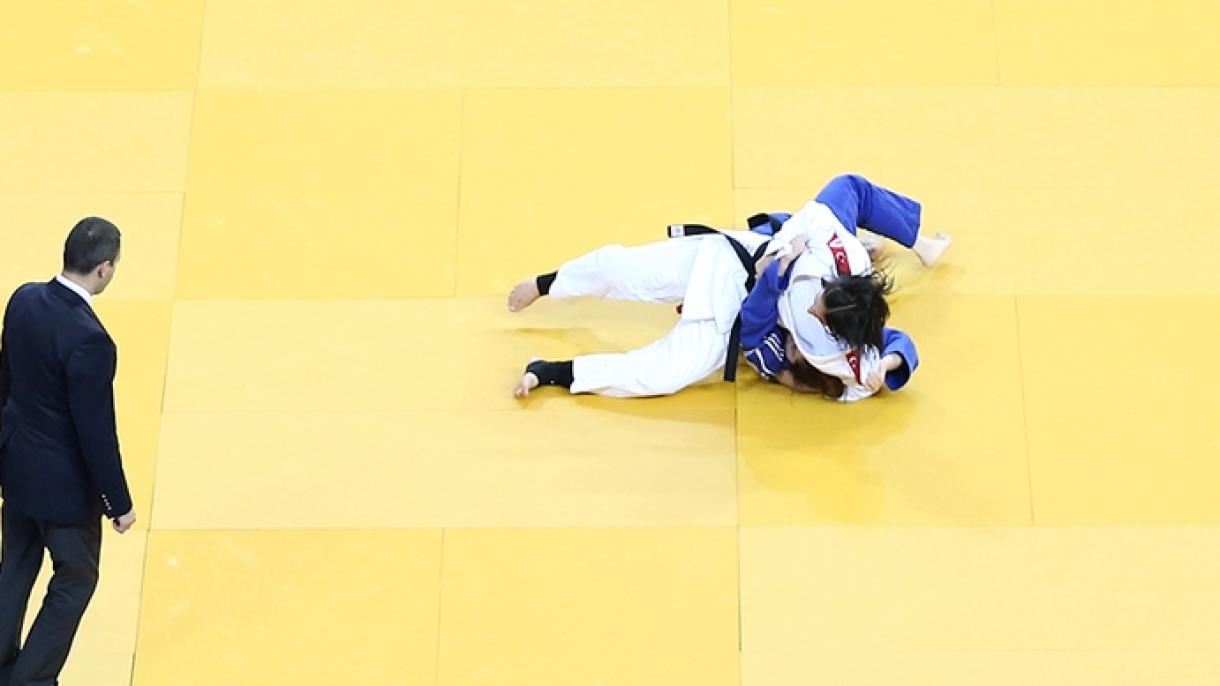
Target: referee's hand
<point x="123" y="522"/>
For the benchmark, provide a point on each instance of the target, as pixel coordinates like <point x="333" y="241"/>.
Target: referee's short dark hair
<point x="91" y="242"/>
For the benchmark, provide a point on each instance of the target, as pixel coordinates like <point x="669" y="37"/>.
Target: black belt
<point x="747" y="261"/>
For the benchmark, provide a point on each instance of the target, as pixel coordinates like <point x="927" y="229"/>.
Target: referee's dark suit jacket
<point x="59" y="453"/>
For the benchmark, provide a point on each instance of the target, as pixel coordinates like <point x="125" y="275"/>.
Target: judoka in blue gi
<point x="817" y="305"/>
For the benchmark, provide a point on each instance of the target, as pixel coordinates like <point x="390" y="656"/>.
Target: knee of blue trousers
<point x="847" y="183"/>
<point x="846" y="195"/>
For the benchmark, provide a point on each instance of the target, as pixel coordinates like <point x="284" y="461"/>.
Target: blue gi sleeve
<point x="768" y="358"/>
<point x="897" y="341"/>
<point x="762" y="338"/>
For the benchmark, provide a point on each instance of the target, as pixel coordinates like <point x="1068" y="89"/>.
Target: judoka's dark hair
<point x="91" y="242"/>
<point x="826" y="385"/>
<point x="856" y="309"/>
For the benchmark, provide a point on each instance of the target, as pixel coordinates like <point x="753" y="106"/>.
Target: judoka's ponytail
<point x="856" y="309"/>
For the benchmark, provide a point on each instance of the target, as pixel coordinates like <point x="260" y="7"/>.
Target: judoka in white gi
<point x="708" y="277"/>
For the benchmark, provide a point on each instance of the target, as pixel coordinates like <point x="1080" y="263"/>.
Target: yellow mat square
<point x="904" y="590"/>
<point x="537" y="187"/>
<point x="367" y="208"/>
<point x="66" y="44"/>
<point x="467" y="43"/>
<point x="605" y="606"/>
<point x="500" y="468"/>
<point x="1087" y="241"/>
<point x="303" y="607"/>
<point x="1086" y="42"/>
<point x="97" y="669"/>
<point x="94" y="142"/>
<point x="369" y="44"/>
<point x="964" y="140"/>
<point x="1113" y="441"/>
<point x="793" y="43"/>
<point x="559" y="43"/>
<point x="883" y="667"/>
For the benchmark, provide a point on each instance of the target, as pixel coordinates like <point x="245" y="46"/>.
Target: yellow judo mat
<point x="324" y="204"/>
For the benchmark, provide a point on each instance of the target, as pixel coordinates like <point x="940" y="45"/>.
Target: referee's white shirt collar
<point x="75" y="288"/>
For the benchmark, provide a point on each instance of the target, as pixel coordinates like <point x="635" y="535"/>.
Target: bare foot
<point x="523" y="295"/>
<point x="929" y="249"/>
<point x="528" y="382"/>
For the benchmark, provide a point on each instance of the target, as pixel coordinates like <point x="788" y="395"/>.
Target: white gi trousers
<point x="702" y="272"/>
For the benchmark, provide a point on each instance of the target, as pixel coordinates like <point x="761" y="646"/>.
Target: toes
<point x="527" y="383"/>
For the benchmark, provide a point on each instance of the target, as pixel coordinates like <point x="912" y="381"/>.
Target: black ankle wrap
<point x="551" y="373"/>
<point x="544" y="281"/>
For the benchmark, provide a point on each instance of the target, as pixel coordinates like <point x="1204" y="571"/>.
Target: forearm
<point x="760" y="311"/>
<point x="891" y="362"/>
<point x="761" y="265"/>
